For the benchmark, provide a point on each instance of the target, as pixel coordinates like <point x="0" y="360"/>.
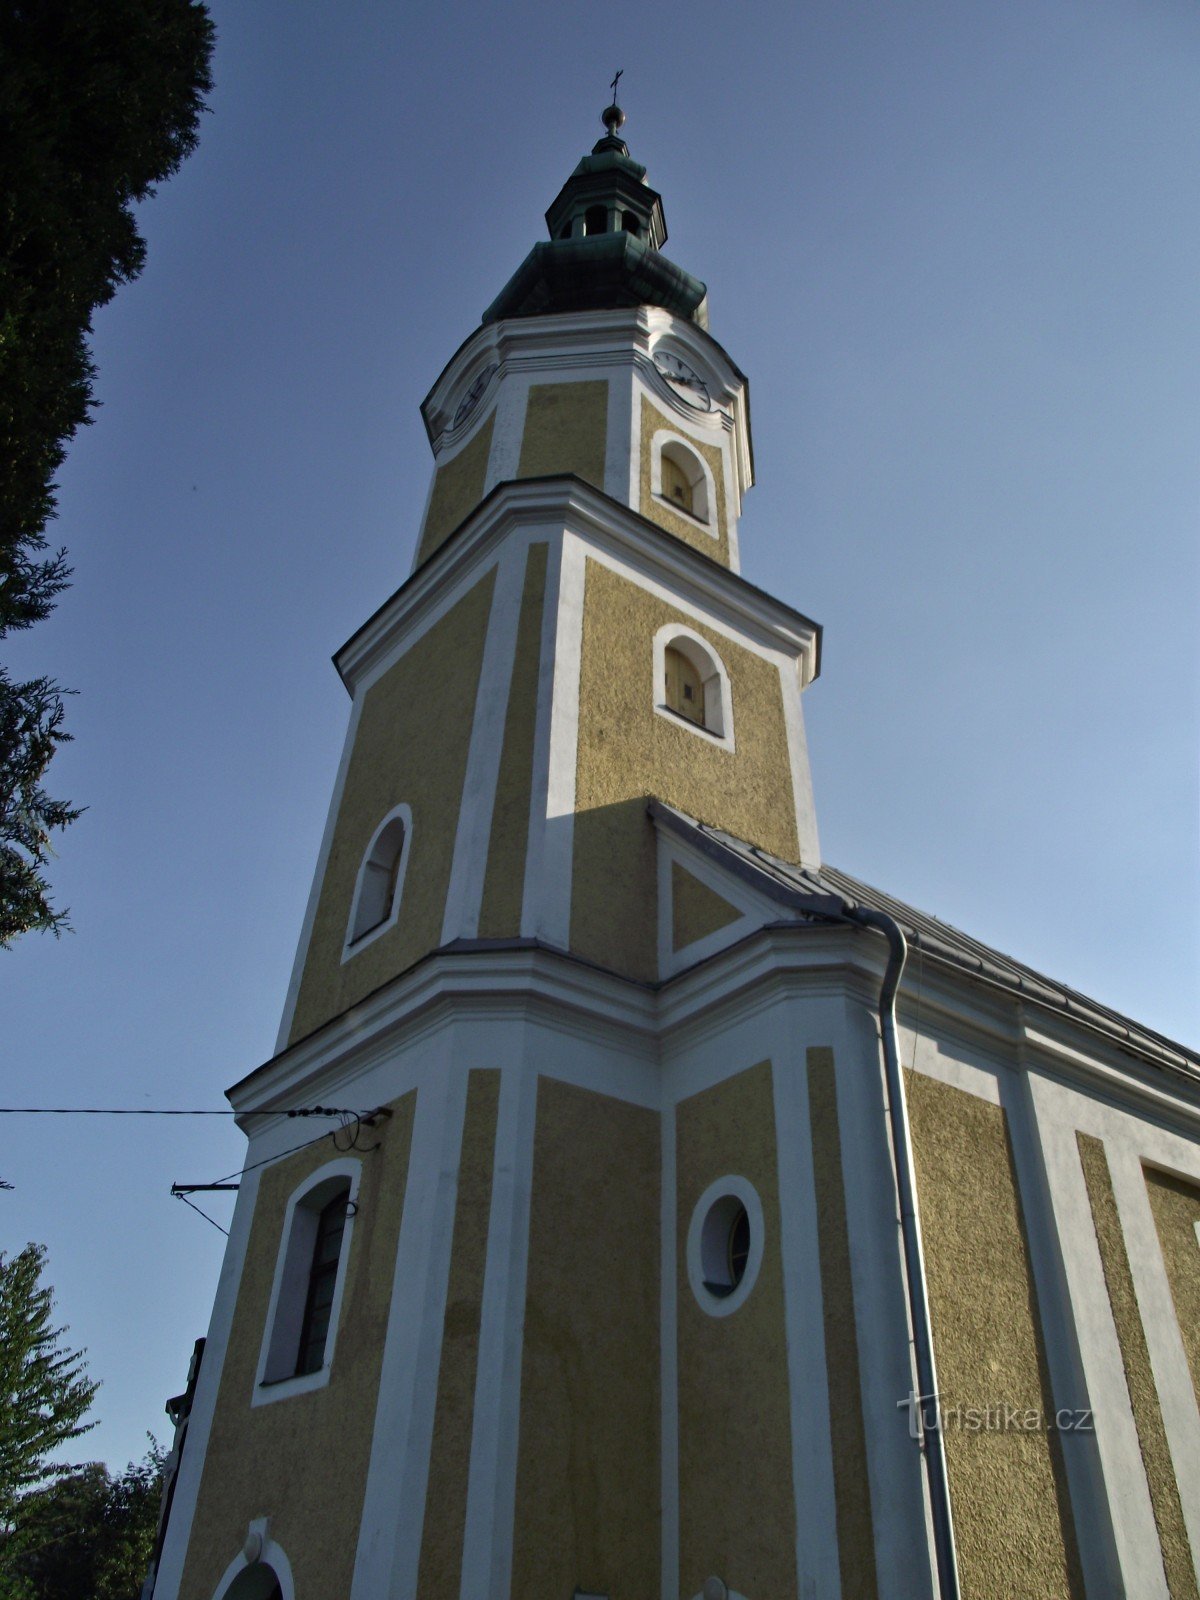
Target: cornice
<point x="568" y="504"/>
<point x="597" y="338"/>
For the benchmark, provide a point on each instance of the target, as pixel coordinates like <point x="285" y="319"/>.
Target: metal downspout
<point x="931" y="1438"/>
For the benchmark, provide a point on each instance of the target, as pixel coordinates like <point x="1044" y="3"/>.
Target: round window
<point x="725" y="1245"/>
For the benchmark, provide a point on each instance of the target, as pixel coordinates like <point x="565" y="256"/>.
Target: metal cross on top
<point x="615" y="81"/>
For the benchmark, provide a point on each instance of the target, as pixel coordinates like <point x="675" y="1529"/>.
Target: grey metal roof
<point x="820" y="892"/>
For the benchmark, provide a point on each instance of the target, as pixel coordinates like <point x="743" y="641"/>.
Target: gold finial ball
<point x="613" y="118"/>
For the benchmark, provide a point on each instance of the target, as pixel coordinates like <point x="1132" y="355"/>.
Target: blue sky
<point x="954" y="246"/>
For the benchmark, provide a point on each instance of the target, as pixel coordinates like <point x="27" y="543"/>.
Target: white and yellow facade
<point x="614" y="992"/>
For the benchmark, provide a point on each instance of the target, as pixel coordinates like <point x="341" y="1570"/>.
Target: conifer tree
<point x="45" y="1392"/>
<point x="98" y="103"/>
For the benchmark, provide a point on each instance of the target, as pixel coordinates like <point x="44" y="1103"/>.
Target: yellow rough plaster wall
<point x="302" y="1461"/>
<point x="627" y="752"/>
<point x="1176" y="1207"/>
<point x="1012" y="1516"/>
<point x="588" y="1485"/>
<point x="504" y="878"/>
<point x="733" y="1378"/>
<point x="411" y="747"/>
<point x="457" y="489"/>
<point x="450" y="1458"/>
<point x="566" y="429"/>
<point x="696" y="910"/>
<point x="1139" y="1376"/>
<point x="658" y="510"/>
<point x="856" y="1530"/>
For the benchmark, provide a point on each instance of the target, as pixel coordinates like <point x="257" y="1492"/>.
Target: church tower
<point x="614" y="1282"/>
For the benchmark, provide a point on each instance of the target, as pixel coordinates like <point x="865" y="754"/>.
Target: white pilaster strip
<point x="620" y="447"/>
<point x="669" y="1375"/>
<point x="465" y="893"/>
<point x="548" y="876"/>
<point x="1068" y="1380"/>
<point x="314" y="893"/>
<point x="817" y="1565"/>
<point x="508" y="431"/>
<point x="899" y="1500"/>
<point x="1128" y="1494"/>
<point x="802" y="789"/>
<point x="1168" y="1358"/>
<point x="389" y="1546"/>
<point x="187" y="1486"/>
<point x="492" y="1481"/>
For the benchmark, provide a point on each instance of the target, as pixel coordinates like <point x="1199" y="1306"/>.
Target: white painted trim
<point x="818" y="1568"/>
<point x="1124" y="1475"/>
<point x="736" y="1188"/>
<point x="712" y="670"/>
<point x="1160" y="1321"/>
<point x="289" y="1286"/>
<point x="314" y="893"/>
<point x="508" y="430"/>
<point x="199" y="1431"/>
<point x="669" y="1357"/>
<point x="465" y="893"/>
<point x="550" y="859"/>
<point x="797" y="744"/>
<point x="492" y="1480"/>
<point x="271" y="1555"/>
<point x="539" y="786"/>
<point x="672" y="851"/>
<point x="1089" y="1504"/>
<point x="389" y="1545"/>
<point x="707" y="524"/>
<point x="686" y="576"/>
<point x="620" y="448"/>
<point x="899" y="1496"/>
<point x="351" y="947"/>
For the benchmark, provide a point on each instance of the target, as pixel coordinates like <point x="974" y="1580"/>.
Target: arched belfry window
<point x="380" y="881"/>
<point x="680" y="476"/>
<point x="595" y="219"/>
<point x="691" y="684"/>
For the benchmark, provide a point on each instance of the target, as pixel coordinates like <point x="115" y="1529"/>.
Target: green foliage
<point x="89" y="1534"/>
<point x="98" y="103"/>
<point x="44" y="1390"/>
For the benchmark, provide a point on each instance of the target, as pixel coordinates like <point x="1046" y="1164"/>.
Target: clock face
<point x="473" y="395"/>
<point x="688" y="385"/>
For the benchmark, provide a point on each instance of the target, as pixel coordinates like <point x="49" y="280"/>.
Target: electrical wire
<point x="159" y="1111"/>
<point x="203" y="1214"/>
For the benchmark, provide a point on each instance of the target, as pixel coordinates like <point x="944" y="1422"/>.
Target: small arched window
<point x="322" y="1280"/>
<point x="309" y="1279"/>
<point x="376" y="902"/>
<point x="629" y="222"/>
<point x="691" y="683"/>
<point x="679" y="475"/>
<point x="595" y="220"/>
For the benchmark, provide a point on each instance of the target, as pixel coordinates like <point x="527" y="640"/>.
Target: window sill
<point x="680" y="721"/>
<point x="701" y="523"/>
<point x="268" y="1390"/>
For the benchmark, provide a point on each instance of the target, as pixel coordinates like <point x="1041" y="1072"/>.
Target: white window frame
<point x="289" y="1289"/>
<point x="351" y="946"/>
<point x="717" y="726"/>
<point x="729" y="1187"/>
<point x="701" y="478"/>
